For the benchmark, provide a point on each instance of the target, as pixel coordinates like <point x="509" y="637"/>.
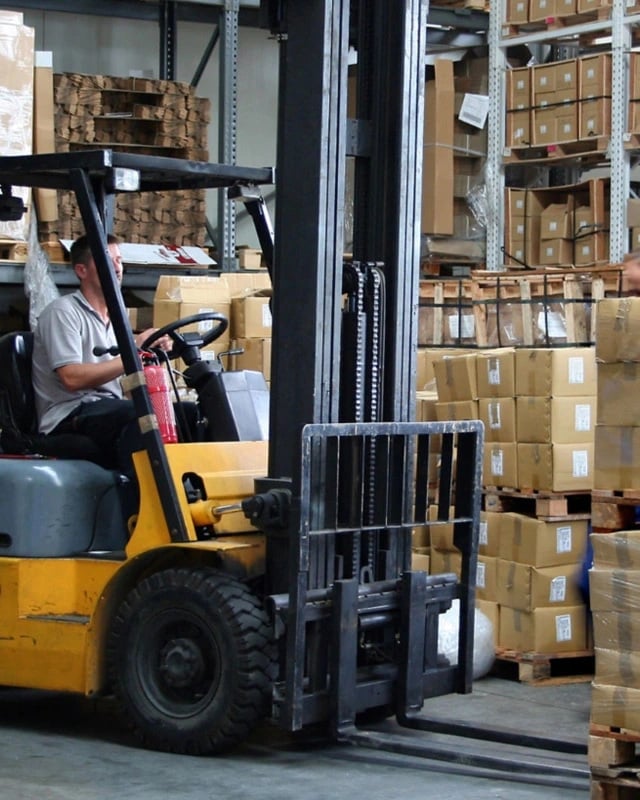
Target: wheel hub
<point x="181" y="662"/>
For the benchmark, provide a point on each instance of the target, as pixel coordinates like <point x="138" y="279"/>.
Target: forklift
<point x="261" y="578"/>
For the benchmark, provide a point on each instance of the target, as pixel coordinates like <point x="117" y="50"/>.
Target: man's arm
<point x="79" y="377"/>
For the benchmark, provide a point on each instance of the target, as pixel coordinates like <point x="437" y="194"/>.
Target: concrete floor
<point x="55" y="747"/>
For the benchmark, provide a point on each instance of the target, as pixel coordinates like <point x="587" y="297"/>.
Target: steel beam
<point x="168" y="39"/>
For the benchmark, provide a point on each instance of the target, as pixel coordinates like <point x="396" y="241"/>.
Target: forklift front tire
<point x="190" y="658"/>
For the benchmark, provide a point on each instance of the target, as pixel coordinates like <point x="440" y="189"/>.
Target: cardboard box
<point x="248" y="258"/>
<point x="44" y="140"/>
<point x="617" y="630"/>
<point x="618" y="329"/>
<point x="256" y="356"/>
<point x="519" y="130"/>
<point x="180" y="296"/>
<point x="420" y="562"/>
<point x="445" y="562"/>
<point x="556" y="252"/>
<point x="617" y="668"/>
<point x="617" y="383"/>
<point x="496" y="371"/>
<point x="544" y="126"/>
<point x="141" y="318"/>
<point x="533" y="541"/>
<point x="441" y="533"/>
<point x="617" y="458"/>
<point x="615" y="706"/>
<point x="541" y="10"/>
<point x="523" y="587"/>
<point x="500" y="465"/>
<point x="634" y="239"/>
<point x="614" y="589"/>
<point x="251" y="316"/>
<point x="595" y="117"/>
<point x="491" y="611"/>
<point x="555" y="420"/>
<point x="567" y="123"/>
<point x="544" y="76"/>
<point x="517" y="11"/>
<point x="499" y="418"/>
<point x="591" y="249"/>
<point x="620" y="549"/>
<point x="456" y="378"/>
<point x="518" y="88"/>
<point x="633" y="208"/>
<point x="545" y="630"/>
<point x="556" y="467"/>
<point x="556" y="372"/>
<point x="426" y="406"/>
<point x="437" y="185"/>
<point x="460" y="410"/>
<point x="489" y="533"/>
<point x="486" y="578"/>
<point x="595" y="75"/>
<point x="556" y="222"/>
<point x="565" y="8"/>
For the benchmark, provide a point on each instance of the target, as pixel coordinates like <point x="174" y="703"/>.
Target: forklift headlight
<point x="126" y="180"/>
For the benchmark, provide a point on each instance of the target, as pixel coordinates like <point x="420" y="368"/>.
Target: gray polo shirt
<point x="68" y="330"/>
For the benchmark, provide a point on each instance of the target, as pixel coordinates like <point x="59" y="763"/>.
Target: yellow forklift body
<point x="55" y="612"/>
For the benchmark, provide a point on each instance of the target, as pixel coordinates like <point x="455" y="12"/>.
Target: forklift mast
<point x="350" y="475"/>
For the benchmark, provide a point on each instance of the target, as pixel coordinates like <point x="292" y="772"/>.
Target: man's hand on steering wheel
<point x="183" y="341"/>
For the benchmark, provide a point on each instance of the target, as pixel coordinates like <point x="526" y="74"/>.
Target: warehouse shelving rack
<point x="619" y="27"/>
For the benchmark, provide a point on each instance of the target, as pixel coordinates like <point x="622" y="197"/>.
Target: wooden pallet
<point x="545" y="668"/>
<point x="483" y="295"/>
<point x="593" y="149"/>
<point x="547" y="506"/>
<point x="13" y="251"/>
<point x="614" y="510"/>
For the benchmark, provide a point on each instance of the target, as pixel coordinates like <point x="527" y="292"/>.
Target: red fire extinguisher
<point x="160" y="396"/>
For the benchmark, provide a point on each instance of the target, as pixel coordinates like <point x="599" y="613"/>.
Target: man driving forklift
<point x="77" y="391"/>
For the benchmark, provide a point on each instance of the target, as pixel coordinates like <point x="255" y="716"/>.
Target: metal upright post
<point x="618" y="155"/>
<point x="227" y="127"/>
<point x="168" y="40"/>
<point x="494" y="171"/>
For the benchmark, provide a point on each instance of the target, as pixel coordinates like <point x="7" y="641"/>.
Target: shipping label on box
<point x="537" y="543"/>
<point x="486" y="578"/>
<point x="526" y="588"/>
<point x="518" y="88"/>
<point x="519" y="132"/>
<point x="517" y="11"/>
<point x="489" y="533"/>
<point x="595" y="117"/>
<point x="556" y="252"/>
<point x="556" y="222"/>
<point x="556" y="372"/>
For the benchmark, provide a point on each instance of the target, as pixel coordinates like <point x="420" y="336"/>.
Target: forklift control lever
<point x="269" y="509"/>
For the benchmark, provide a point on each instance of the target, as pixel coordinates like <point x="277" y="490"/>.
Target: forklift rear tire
<point x="190" y="658"/>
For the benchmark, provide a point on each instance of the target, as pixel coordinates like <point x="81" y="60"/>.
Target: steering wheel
<point x="182" y="341"/>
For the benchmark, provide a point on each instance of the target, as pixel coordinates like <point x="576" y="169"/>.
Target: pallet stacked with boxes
<point x="148" y="117"/>
<point x="538" y="409"/>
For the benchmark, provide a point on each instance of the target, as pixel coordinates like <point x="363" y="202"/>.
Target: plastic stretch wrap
<point x="483" y="639"/>
<point x="38" y="283"/>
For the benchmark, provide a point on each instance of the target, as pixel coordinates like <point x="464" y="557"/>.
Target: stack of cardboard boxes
<point x="557" y="227"/>
<point x="241" y="297"/>
<point x="538" y="406"/>
<point x="615" y="602"/>
<point x="617" y="438"/>
<point x="560" y="102"/>
<point x="541" y="608"/>
<point x="555" y="412"/>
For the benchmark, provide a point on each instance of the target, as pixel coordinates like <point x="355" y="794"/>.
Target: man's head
<point x="84" y="265"/>
<point x="632" y="271"/>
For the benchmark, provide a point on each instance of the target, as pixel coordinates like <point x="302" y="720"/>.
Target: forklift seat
<point x="18" y="422"/>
